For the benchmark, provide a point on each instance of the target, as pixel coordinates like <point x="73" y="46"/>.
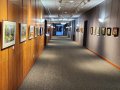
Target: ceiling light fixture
<point x="71" y="1"/>
<point x="101" y="20"/>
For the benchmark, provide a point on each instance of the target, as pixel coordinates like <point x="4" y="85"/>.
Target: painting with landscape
<point x="31" y="32"/>
<point x="23" y="31"/>
<point x="36" y="31"/>
<point x="8" y="34"/>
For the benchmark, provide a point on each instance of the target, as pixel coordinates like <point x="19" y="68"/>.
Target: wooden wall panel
<point x="3" y="53"/>
<point x="13" y="15"/>
<point x="4" y="66"/>
<point x="0" y="73"/>
<point x="16" y="61"/>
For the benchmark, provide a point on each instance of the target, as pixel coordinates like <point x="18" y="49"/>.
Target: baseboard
<point x="105" y="59"/>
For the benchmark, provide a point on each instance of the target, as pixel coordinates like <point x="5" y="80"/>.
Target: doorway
<point x="85" y="33"/>
<point x="59" y="30"/>
<point x="45" y="31"/>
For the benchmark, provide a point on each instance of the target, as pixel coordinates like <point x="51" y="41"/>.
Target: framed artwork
<point x="109" y="31"/>
<point x="77" y="30"/>
<point x="91" y="30"/>
<point x="115" y="31"/>
<point x="82" y="30"/>
<point x="94" y="31"/>
<point x="8" y="34"/>
<point x="31" y="32"/>
<point x="23" y="32"/>
<point x="98" y="31"/>
<point x="41" y="31"/>
<point x="103" y="30"/>
<point x="36" y="31"/>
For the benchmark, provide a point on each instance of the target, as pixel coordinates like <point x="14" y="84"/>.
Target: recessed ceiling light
<point x="71" y="1"/>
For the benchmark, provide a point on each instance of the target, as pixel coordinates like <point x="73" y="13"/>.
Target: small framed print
<point x="23" y="32"/>
<point x="77" y="30"/>
<point x="91" y="30"/>
<point x="98" y="31"/>
<point x="8" y="34"/>
<point x="36" y="31"/>
<point x="109" y="31"/>
<point x="41" y="31"/>
<point x="103" y="30"/>
<point x="82" y="30"/>
<point x="31" y="32"/>
<point x="94" y="31"/>
<point x="115" y="31"/>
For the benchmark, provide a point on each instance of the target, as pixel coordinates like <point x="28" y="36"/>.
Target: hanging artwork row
<point x="105" y="31"/>
<point x="9" y="33"/>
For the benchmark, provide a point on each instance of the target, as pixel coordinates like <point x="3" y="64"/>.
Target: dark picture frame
<point x="109" y="29"/>
<point x="98" y="31"/>
<point x="103" y="30"/>
<point x="8" y="34"/>
<point x="23" y="32"/>
<point x="77" y="30"/>
<point x="115" y="31"/>
<point x="91" y="30"/>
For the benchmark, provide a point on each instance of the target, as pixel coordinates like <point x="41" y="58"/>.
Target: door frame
<point x="85" y="33"/>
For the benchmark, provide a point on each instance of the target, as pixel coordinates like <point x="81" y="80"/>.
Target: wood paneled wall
<point x="16" y="61"/>
<point x="106" y="46"/>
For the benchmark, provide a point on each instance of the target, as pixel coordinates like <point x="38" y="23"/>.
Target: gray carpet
<point x="64" y="65"/>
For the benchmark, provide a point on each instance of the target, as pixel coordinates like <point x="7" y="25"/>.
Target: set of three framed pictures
<point x="105" y="31"/>
<point x="9" y="33"/>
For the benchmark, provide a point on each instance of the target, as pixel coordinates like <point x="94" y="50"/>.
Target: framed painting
<point x="77" y="30"/>
<point x="91" y="30"/>
<point x="98" y="31"/>
<point x="103" y="30"/>
<point x="23" y="32"/>
<point x="109" y="31"/>
<point x="82" y="30"/>
<point x="31" y="32"/>
<point x="36" y="31"/>
<point x="8" y="33"/>
<point x="94" y="31"/>
<point x="115" y="31"/>
<point x="41" y="31"/>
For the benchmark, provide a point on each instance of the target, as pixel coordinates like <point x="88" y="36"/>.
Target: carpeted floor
<point x="66" y="66"/>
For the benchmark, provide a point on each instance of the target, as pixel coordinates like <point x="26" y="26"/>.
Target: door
<point x="45" y="31"/>
<point x="85" y="33"/>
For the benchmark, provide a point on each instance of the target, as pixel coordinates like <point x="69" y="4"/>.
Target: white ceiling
<point x="67" y="9"/>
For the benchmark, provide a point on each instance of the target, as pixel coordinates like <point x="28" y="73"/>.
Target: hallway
<point x="66" y="66"/>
